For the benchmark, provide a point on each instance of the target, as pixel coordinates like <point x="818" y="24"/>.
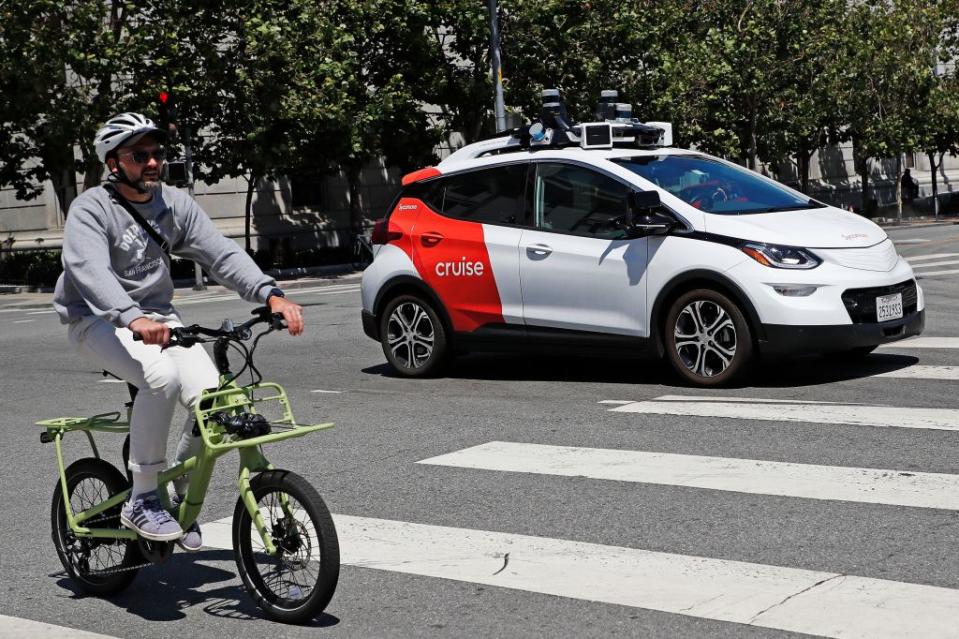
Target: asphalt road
<point x="367" y="468"/>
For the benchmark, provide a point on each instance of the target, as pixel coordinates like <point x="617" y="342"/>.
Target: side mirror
<point x="645" y="215"/>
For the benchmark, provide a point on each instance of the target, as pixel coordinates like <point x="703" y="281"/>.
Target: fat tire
<point x="115" y="482"/>
<point x="440" y="356"/>
<point x="743" y="358"/>
<point x="302" y="491"/>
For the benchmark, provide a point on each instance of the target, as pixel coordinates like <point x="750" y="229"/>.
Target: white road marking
<point x="112" y="381"/>
<point x="752" y="476"/>
<point x="617" y="401"/>
<point x="923" y="274"/>
<point x="795" y="411"/>
<point x="930" y="264"/>
<point x="918" y="371"/>
<point x="22" y="322"/>
<point x="39" y="312"/>
<point x="332" y="392"/>
<point x="819" y="603"/>
<point x="911" y="240"/>
<point x="923" y="342"/>
<point x="932" y="256"/>
<point x="16" y="628"/>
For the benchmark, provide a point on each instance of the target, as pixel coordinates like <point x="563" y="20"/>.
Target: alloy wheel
<point x="411" y="335"/>
<point x="704" y="337"/>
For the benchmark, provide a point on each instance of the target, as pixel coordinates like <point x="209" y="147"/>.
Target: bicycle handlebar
<point x="187" y="336"/>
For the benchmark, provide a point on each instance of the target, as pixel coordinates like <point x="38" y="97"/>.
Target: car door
<point x="466" y="244"/>
<point x="578" y="269"/>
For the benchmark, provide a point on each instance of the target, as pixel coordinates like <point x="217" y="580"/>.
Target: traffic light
<point x="167" y="113"/>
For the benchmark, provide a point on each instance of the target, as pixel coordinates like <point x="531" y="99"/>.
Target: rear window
<point x="495" y="196"/>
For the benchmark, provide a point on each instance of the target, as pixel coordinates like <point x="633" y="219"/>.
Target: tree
<point x="64" y="64"/>
<point x="887" y="79"/>
<point x="275" y="89"/>
<point x="383" y="47"/>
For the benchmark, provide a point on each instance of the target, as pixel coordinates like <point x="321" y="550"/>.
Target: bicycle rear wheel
<point x="97" y="566"/>
<point x="296" y="584"/>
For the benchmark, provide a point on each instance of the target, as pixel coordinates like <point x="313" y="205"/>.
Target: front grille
<point x="861" y="302"/>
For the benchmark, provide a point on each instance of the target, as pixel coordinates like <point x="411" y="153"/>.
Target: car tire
<point x="413" y="337"/>
<point x="707" y="339"/>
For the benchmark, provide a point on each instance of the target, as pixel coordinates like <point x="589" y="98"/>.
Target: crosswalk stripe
<point x="820" y="603"/>
<point x="752" y="476"/>
<point x="922" y="274"/>
<point x="17" y="628"/>
<point x="923" y="342"/>
<point x="918" y="371"/>
<point x="930" y="264"/>
<point x="932" y="256"/>
<point x="796" y="411"/>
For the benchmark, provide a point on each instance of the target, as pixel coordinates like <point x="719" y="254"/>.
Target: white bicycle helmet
<point x="121" y="129"/>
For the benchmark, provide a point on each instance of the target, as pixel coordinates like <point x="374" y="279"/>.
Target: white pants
<point x="163" y="378"/>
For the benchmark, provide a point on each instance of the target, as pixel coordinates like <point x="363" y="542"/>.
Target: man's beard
<point x="149" y="184"/>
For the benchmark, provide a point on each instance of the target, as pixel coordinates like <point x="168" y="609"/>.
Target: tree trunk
<point x="862" y="168"/>
<point x="935" y="181"/>
<point x="803" y="156"/>
<point x="251" y="186"/>
<point x="753" y="151"/>
<point x="59" y="164"/>
<point x="899" y="188"/>
<point x="356" y="204"/>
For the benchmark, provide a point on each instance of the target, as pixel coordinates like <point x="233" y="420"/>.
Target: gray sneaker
<point x="145" y="516"/>
<point x="192" y="540"/>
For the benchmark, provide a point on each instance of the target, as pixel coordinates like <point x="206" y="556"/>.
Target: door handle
<point x="430" y="238"/>
<point x="539" y="250"/>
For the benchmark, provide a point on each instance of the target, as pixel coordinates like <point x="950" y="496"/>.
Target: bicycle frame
<point x="216" y="443"/>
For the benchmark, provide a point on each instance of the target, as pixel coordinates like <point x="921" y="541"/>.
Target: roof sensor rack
<point x="615" y="126"/>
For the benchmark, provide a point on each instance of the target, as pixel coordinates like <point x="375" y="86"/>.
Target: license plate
<point x="889" y="307"/>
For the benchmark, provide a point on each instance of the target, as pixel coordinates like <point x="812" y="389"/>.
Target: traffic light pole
<point x="188" y="158"/>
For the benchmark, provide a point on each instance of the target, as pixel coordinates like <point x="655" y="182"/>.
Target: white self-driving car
<point x="600" y="239"/>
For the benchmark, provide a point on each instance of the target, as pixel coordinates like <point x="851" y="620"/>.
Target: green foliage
<point x="270" y="87"/>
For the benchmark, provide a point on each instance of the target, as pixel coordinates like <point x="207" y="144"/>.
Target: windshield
<point x="714" y="186"/>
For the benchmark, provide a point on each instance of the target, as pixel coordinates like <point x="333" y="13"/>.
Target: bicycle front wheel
<point x="295" y="584"/>
<point x="97" y="566"/>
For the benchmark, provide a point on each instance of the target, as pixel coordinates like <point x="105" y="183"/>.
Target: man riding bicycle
<point x="116" y="282"/>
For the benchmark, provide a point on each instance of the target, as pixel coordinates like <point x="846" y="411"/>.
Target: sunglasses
<point x="142" y="157"/>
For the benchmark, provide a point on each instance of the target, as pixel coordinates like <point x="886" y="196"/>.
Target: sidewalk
<point x="18" y="298"/>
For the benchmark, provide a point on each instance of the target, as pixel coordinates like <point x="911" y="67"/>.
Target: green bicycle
<point x="284" y="539"/>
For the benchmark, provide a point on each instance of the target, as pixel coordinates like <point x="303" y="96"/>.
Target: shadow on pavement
<point x="165" y="593"/>
<point x="785" y="373"/>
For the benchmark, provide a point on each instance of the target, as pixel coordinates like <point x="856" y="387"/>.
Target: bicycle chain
<point x="106" y="572"/>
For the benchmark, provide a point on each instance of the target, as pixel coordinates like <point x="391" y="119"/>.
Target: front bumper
<point x="786" y="339"/>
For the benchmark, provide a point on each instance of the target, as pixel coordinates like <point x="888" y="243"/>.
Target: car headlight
<point x="776" y="256"/>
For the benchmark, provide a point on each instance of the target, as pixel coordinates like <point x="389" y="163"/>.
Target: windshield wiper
<point x="812" y="204"/>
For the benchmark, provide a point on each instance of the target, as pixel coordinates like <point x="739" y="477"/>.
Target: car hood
<point x="827" y="227"/>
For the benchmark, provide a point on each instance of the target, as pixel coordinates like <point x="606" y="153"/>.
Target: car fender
<point x="694" y="279"/>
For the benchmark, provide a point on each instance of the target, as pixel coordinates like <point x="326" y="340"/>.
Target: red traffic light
<point x="164" y="96"/>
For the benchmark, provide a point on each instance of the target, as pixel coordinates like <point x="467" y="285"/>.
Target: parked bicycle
<point x="284" y="540"/>
<point x="362" y="251"/>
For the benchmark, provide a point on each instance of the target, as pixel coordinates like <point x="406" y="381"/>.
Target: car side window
<point x="579" y="201"/>
<point x="495" y="196"/>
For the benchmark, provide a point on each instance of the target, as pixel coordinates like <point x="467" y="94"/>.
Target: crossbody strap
<point x="122" y="201"/>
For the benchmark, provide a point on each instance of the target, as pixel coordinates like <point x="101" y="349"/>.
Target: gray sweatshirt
<point x="112" y="269"/>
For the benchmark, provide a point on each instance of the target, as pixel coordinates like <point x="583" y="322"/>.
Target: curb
<point x="289" y="279"/>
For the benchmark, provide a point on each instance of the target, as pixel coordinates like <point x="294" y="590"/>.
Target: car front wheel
<point x="707" y="338"/>
<point x="413" y="337"/>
